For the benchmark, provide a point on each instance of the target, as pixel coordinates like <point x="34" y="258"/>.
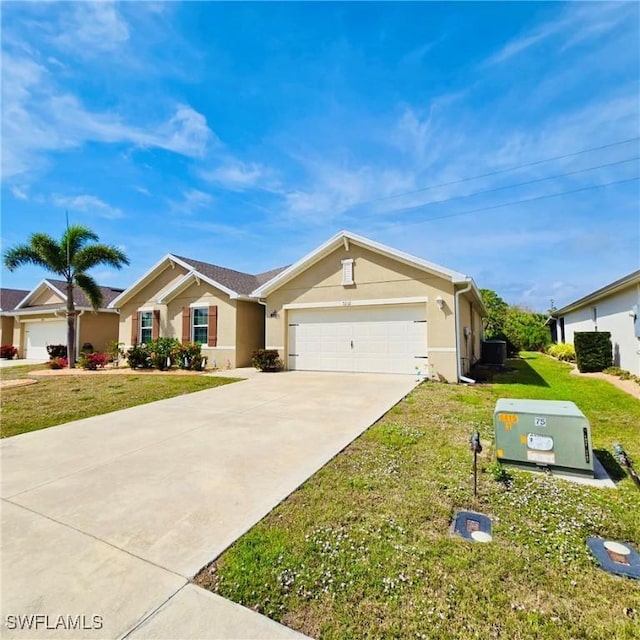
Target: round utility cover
<point x="481" y="536"/>
<point x="616" y="547"/>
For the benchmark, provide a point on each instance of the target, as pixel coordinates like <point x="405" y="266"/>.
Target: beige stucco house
<point x="37" y="319"/>
<point x="353" y="304"/>
<point x="195" y="301"/>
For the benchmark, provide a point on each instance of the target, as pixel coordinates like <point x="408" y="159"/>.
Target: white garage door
<point x="385" y="339"/>
<point x="41" y="334"/>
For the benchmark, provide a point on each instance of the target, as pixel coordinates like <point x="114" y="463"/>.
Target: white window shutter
<point x="347" y="271"/>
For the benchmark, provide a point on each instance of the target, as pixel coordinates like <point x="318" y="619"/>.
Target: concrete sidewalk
<point x="112" y="515"/>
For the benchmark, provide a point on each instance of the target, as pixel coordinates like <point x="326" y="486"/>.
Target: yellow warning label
<point x="523" y="439"/>
<point x="508" y="417"/>
<point x="500" y="453"/>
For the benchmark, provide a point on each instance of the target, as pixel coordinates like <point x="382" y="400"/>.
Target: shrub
<point x="92" y="361"/>
<point x="164" y="352"/>
<point x="593" y="350"/>
<point x="190" y="356"/>
<point x="58" y="363"/>
<point x="138" y="357"/>
<point x="115" y="351"/>
<point x="266" y="360"/>
<point x="526" y="330"/>
<point x="57" y="351"/>
<point x="8" y="351"/>
<point x="565" y="352"/>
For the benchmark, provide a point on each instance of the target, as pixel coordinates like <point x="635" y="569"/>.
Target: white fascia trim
<point x="335" y="242"/>
<point x="184" y="282"/>
<point x="355" y="303"/>
<point x="35" y="312"/>
<point x="37" y="320"/>
<point x="594" y="296"/>
<point x="129" y="291"/>
<point x="272" y="347"/>
<point x="43" y="284"/>
<point x="442" y="349"/>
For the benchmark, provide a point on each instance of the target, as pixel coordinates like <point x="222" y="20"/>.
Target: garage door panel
<point x="385" y="339"/>
<point x="40" y="334"/>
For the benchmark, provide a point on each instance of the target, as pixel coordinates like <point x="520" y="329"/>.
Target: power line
<point x="508" y="204"/>
<point x="494" y="173"/>
<point x="512" y="186"/>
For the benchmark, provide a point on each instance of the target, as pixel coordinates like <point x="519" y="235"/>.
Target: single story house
<point x="614" y="308"/>
<point x="195" y="301"/>
<point x="357" y="305"/>
<point x="38" y="319"/>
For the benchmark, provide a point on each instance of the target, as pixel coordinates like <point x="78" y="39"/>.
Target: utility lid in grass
<point x="615" y="557"/>
<point x="472" y="526"/>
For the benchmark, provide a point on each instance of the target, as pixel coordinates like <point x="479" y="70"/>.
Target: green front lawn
<point x="363" y="548"/>
<point x="55" y="400"/>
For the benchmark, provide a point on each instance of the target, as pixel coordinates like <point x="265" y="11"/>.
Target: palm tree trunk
<point x="71" y="327"/>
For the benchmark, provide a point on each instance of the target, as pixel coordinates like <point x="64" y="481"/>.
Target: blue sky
<point x="245" y="134"/>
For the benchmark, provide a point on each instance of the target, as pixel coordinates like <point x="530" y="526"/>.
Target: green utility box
<point x="548" y="434"/>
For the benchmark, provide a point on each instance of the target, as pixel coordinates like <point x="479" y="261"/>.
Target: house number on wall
<point x="346" y="303"/>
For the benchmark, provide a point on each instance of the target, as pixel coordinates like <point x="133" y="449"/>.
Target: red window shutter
<point x="213" y="326"/>
<point x="186" y="324"/>
<point x="134" y="327"/>
<point x="155" y="329"/>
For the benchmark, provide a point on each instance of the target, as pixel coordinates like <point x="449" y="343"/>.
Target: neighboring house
<point x="356" y="305"/>
<point x="614" y="308"/>
<point x="38" y="319"/>
<point x="9" y="300"/>
<point x="195" y="301"/>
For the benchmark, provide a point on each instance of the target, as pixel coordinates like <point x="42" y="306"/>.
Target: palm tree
<point x="70" y="259"/>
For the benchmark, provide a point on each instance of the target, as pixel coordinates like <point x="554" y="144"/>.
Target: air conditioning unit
<point x="548" y="434"/>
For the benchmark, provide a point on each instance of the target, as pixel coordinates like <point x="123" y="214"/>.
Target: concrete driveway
<point x="110" y="516"/>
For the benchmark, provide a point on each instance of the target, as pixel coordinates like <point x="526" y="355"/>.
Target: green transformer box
<point x="547" y="434"/>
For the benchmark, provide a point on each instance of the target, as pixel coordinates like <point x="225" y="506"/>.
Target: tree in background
<point x="526" y="329"/>
<point x="522" y="329"/>
<point x="496" y="314"/>
<point x="70" y="259"/>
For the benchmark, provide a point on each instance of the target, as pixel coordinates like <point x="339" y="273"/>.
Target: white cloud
<point x="579" y="22"/>
<point x="237" y="175"/>
<point x="192" y="200"/>
<point x="38" y="118"/>
<point x="92" y="28"/>
<point x="20" y="192"/>
<point x="87" y="204"/>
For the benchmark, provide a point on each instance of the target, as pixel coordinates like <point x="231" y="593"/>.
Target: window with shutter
<point x="200" y="325"/>
<point x="347" y="272"/>
<point x="146" y="326"/>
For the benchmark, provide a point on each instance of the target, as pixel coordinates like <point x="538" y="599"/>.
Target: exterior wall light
<point x="440" y="302"/>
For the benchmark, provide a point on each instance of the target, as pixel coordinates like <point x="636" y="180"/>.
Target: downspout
<point x="461" y="378"/>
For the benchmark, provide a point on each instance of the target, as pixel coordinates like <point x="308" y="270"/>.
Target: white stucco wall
<point x="612" y="314"/>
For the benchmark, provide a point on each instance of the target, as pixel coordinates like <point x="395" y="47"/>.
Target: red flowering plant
<point x="93" y="361"/>
<point x="57" y="363"/>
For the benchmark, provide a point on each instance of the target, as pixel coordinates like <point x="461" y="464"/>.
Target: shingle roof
<point x="108" y="293"/>
<point x="9" y="298"/>
<point x="243" y="283"/>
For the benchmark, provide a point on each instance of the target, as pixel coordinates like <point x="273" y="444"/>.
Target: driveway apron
<point x="105" y="520"/>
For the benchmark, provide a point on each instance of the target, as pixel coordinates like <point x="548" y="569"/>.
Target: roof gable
<point x="234" y="283"/>
<point x="58" y="287"/>
<point x="11" y="298"/>
<point x="344" y="238"/>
